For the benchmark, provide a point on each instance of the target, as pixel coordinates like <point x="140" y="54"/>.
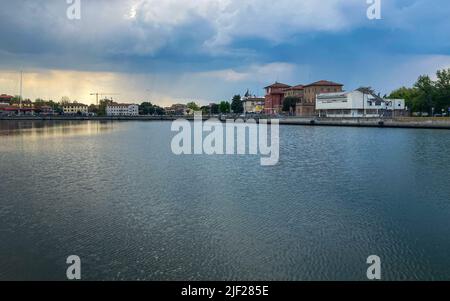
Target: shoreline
<point x="399" y="122"/>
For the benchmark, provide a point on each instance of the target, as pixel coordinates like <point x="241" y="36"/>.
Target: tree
<point x="214" y="109"/>
<point x="408" y="94"/>
<point x="236" y="105"/>
<point x="205" y="110"/>
<point x="146" y="108"/>
<point x="15" y="100"/>
<point x="426" y="96"/>
<point x="289" y="104"/>
<point x="193" y="106"/>
<point x="64" y="100"/>
<point x="442" y="85"/>
<point x="224" y="107"/>
<point x="159" y="111"/>
<point x="93" y="109"/>
<point x="102" y="106"/>
<point x="366" y="90"/>
<point x="55" y="106"/>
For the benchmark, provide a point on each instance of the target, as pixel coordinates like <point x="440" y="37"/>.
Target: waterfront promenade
<point x="398" y="122"/>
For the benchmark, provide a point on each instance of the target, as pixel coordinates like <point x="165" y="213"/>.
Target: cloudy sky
<point x="207" y="50"/>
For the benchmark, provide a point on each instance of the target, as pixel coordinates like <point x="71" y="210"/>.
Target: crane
<point x="97" y="94"/>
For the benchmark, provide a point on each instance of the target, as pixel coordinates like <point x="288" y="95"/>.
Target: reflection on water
<point x="48" y="129"/>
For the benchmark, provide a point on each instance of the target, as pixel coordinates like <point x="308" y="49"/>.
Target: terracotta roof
<point x="278" y="85"/>
<point x="298" y="87"/>
<point x="324" y="83"/>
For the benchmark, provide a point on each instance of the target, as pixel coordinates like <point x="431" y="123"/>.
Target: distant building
<point x="46" y="110"/>
<point x="75" y="109"/>
<point x="252" y="104"/>
<point x="6" y="99"/>
<point x="26" y="104"/>
<point x="295" y="91"/>
<point x="308" y="105"/>
<point x="116" y="109"/>
<point x="358" y="104"/>
<point x="276" y="93"/>
<point x="274" y="98"/>
<point x="177" y="109"/>
<point x="13" y="110"/>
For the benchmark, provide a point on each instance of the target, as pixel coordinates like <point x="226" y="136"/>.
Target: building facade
<point x="177" y="109"/>
<point x="356" y="104"/>
<point x="295" y="91"/>
<point x="116" y="109"/>
<point x="253" y="104"/>
<point x="6" y="99"/>
<point x="308" y="105"/>
<point x="274" y="98"/>
<point x="75" y="109"/>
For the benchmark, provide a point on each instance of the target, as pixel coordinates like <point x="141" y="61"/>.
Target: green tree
<point x="159" y="111"/>
<point x="93" y="109"/>
<point x="15" y="100"/>
<point x="442" y="85"/>
<point x="214" y="109"/>
<point x="57" y="108"/>
<point x="408" y="94"/>
<point x="366" y="90"/>
<point x="193" y="106"/>
<point x="236" y="105"/>
<point x="224" y="107"/>
<point x="205" y="110"/>
<point x="146" y="108"/>
<point x="425" y="99"/>
<point x="102" y="106"/>
<point x="289" y="104"/>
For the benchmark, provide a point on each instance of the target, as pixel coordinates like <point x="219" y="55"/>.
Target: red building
<point x="274" y="98"/>
<point x="6" y="98"/>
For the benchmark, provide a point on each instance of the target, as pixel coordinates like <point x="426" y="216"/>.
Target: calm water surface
<point x="115" y="195"/>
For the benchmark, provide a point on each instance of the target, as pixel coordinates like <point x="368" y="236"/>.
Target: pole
<point x="364" y="104"/>
<point x="21" y="92"/>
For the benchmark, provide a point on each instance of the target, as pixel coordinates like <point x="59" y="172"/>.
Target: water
<point x="115" y="195"/>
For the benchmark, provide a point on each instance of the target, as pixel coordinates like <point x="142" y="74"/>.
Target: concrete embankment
<point x="400" y="122"/>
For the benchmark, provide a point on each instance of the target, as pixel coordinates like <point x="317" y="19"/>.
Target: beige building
<point x="308" y="105"/>
<point x="177" y="109"/>
<point x="253" y="104"/>
<point x="295" y="91"/>
<point x="75" y="109"/>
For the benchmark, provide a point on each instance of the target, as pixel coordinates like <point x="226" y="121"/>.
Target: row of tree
<point x="224" y="107"/>
<point x="146" y="108"/>
<point x="427" y="95"/>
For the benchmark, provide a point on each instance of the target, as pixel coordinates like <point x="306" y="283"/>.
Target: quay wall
<point x="398" y="122"/>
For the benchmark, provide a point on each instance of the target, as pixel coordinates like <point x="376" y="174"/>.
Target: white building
<point x="358" y="104"/>
<point x="116" y="109"/>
